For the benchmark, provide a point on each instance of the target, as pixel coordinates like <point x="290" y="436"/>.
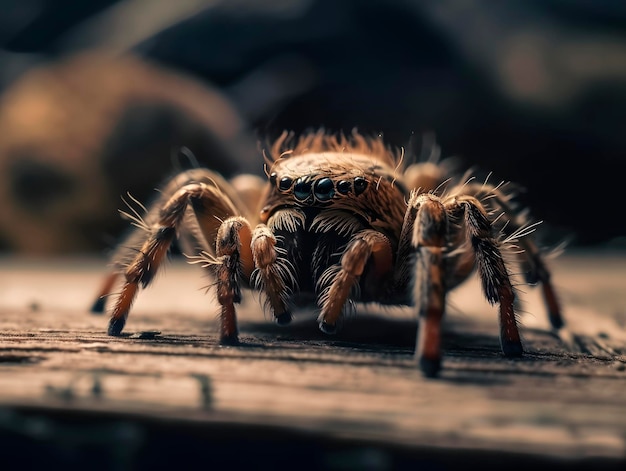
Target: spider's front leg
<point x="233" y="257"/>
<point x="422" y="248"/>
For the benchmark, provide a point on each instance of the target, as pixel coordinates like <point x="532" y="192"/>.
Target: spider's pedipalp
<point x="365" y="245"/>
<point x="272" y="273"/>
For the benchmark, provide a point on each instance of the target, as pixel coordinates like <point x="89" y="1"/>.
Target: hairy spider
<point x="339" y="221"/>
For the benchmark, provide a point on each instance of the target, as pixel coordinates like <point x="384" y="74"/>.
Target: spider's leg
<point x="144" y="219"/>
<point x="127" y="250"/>
<point x="424" y="236"/>
<point x="209" y="204"/>
<point x="493" y="272"/>
<point x="107" y="286"/>
<point x="233" y="261"/>
<point x="141" y="271"/>
<point x="273" y="273"/>
<point x="537" y="271"/>
<point x="365" y="245"/>
<point x="530" y="257"/>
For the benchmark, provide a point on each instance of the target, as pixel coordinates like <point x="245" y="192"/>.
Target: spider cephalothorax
<point x="339" y="177"/>
<point x="338" y="221"/>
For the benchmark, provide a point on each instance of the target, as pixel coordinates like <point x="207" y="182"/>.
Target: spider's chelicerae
<point x="339" y="221"/>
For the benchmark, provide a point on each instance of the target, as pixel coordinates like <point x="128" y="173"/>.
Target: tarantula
<point x="340" y="221"/>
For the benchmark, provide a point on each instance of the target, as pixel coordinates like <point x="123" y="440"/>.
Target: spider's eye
<point x="324" y="189"/>
<point x="302" y="189"/>
<point x="344" y="187"/>
<point x="273" y="178"/>
<point x="360" y="184"/>
<point x="285" y="183"/>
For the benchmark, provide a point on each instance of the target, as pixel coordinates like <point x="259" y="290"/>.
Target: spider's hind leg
<point x="536" y="271"/>
<point x="493" y="272"/>
<point x="108" y="283"/>
<point x="141" y="271"/>
<point x="190" y="237"/>
<point x="515" y="226"/>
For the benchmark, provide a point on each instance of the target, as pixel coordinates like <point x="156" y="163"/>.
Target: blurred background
<point x="97" y="97"/>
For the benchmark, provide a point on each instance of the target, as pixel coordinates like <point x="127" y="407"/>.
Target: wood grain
<point x="565" y="400"/>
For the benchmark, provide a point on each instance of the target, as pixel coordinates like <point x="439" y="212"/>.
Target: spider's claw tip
<point x="556" y="321"/>
<point x="229" y="340"/>
<point x="98" y="306"/>
<point x="116" y="326"/>
<point x="328" y="328"/>
<point x="283" y="318"/>
<point x="532" y="278"/>
<point x="430" y="366"/>
<point x="512" y="348"/>
<point x="568" y="339"/>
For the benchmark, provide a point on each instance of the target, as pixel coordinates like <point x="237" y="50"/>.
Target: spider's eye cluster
<point x="358" y="185"/>
<point x="323" y="189"/>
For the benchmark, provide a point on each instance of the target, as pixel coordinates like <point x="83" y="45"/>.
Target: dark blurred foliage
<point x="534" y="91"/>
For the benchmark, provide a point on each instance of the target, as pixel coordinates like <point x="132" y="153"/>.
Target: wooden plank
<point x="561" y="400"/>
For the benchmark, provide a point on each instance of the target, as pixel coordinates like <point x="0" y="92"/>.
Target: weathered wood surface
<point x="562" y="400"/>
